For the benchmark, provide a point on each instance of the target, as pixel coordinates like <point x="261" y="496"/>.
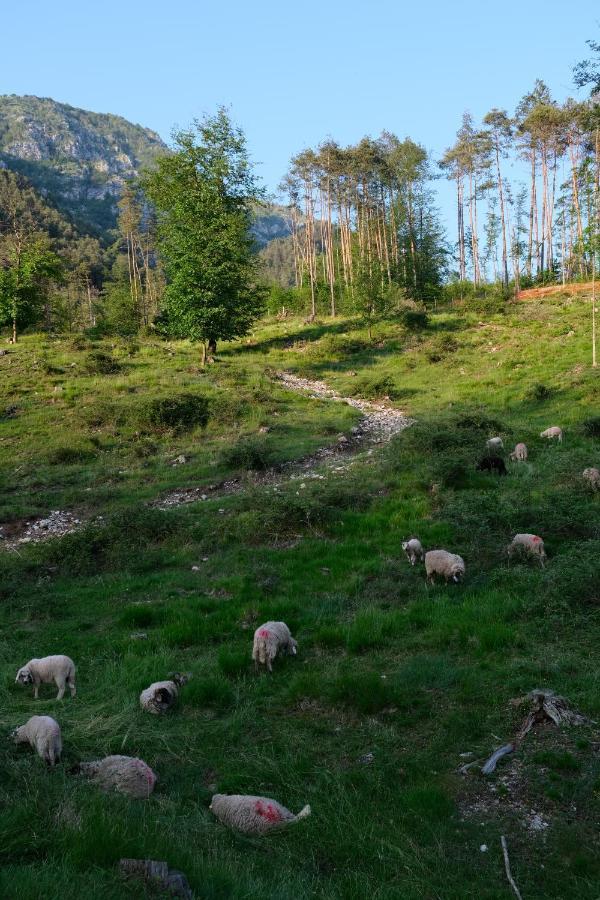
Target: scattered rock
<point x="159" y="875"/>
<point x="367" y="759"/>
<point x="179" y="461"/>
<point x="139" y="636"/>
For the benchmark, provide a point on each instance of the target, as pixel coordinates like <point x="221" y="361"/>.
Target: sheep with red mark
<point x="530" y="544"/>
<point x="125" y="774"/>
<point x="253" y="815"/>
<point x="271" y="639"/>
<point x="519" y="454"/>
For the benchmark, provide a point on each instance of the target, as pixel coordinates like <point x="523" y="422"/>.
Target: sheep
<point x="492" y="464"/>
<point x="592" y="476"/>
<point x="269" y="640"/>
<point x="414" y="550"/>
<point x="494" y="443"/>
<point x="529" y="543"/>
<point x="519" y="454"/>
<point x="553" y="432"/>
<point x="42" y="733"/>
<point x="253" y="815"/>
<point x="448" y="565"/>
<point x="58" y="669"/>
<point x="162" y="695"/>
<point x="125" y="774"/>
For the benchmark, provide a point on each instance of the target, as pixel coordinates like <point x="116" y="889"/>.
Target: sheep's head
<point x="458" y="574"/>
<point x="292" y="647"/>
<point x="24" y="676"/>
<point x="14" y="735"/>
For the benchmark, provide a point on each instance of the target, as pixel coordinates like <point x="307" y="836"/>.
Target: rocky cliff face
<point x="79" y="160"/>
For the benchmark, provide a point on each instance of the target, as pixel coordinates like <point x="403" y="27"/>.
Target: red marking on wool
<point x="536" y="539"/>
<point x="264" y="633"/>
<point x="270" y="813"/>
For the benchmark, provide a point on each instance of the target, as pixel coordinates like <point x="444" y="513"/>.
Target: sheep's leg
<point x="269" y="664"/>
<point x="61" y="689"/>
<point x="72" y="687"/>
<point x="36" y="689"/>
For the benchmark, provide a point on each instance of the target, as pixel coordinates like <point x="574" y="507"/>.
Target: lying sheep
<point x="162" y="695"/>
<point x="414" y="550"/>
<point x="528" y="543"/>
<point x="125" y="774"/>
<point x="492" y="464"/>
<point x="448" y="565"/>
<point x="592" y="476"/>
<point x="49" y="669"/>
<point x="553" y="432"/>
<point x="43" y="734"/>
<point x="253" y="815"/>
<point x="494" y="443"/>
<point x="269" y="640"/>
<point x="519" y="454"/>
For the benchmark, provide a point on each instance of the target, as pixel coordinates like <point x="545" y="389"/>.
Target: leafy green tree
<point x="26" y="273"/>
<point x="203" y="194"/>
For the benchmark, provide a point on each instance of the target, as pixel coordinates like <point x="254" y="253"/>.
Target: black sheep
<point x="492" y="464"/>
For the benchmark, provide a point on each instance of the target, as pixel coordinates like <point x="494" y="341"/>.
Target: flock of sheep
<point x="245" y="813"/>
<point x="132" y="776"/>
<point x="450" y="566"/>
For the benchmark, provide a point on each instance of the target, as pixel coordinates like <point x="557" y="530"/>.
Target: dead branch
<point x="492" y="762"/>
<point x="511" y="880"/>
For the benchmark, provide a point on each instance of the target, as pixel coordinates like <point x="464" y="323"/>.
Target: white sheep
<point x="253" y="815"/>
<point x="59" y="670"/>
<point x="269" y="640"/>
<point x="592" y="476"/>
<point x="125" y="774"/>
<point x="43" y="734"/>
<point x="414" y="550"/>
<point x="553" y="432"/>
<point x="519" y="454"/>
<point x="162" y="695"/>
<point x="448" y="565"/>
<point x="529" y="543"/>
<point x="494" y="443"/>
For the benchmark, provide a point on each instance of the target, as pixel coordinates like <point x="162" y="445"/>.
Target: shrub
<point x="592" y="426"/>
<point x="68" y="456"/>
<point x="100" y="363"/>
<point x="538" y="392"/>
<point x="413" y="319"/>
<point x="180" y="413"/>
<point x="252" y="453"/>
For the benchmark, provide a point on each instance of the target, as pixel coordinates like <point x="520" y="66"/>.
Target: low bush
<point x="180" y="413"/>
<point x="100" y="363"/>
<point x="249" y="453"/>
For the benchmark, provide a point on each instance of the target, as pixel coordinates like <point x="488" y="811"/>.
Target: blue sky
<point x="294" y="74"/>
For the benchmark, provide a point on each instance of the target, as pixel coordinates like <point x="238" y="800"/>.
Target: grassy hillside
<point x="415" y="675"/>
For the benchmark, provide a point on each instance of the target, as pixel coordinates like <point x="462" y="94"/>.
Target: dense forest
<point x="357" y="228"/>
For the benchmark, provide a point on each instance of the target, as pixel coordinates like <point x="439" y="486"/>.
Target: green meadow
<point x="394" y="680"/>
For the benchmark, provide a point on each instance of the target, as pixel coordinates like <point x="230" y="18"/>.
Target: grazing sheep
<point x="42" y="733"/>
<point x="162" y="695"/>
<point x="519" y="454"/>
<point x="269" y="640"/>
<point x="448" y="565"/>
<point x="125" y="774"/>
<point x="494" y="443"/>
<point x="253" y="815"/>
<point x="492" y="464"/>
<point x="414" y="550"/>
<point x="553" y="432"/>
<point x="529" y="543"/>
<point x="49" y="669"/>
<point x="592" y="476"/>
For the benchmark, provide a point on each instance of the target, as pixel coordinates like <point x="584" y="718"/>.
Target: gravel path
<point x="378" y="425"/>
